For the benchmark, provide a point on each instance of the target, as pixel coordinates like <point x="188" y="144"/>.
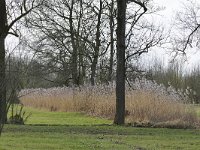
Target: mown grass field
<point x="75" y="131"/>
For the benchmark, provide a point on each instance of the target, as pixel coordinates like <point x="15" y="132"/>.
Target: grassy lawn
<point x="42" y="117"/>
<point x="75" y="131"/>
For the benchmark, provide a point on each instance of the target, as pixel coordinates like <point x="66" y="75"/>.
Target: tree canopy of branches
<point x="188" y="24"/>
<point x="76" y="39"/>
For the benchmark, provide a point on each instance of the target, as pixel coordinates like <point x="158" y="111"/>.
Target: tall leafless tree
<point x="112" y="18"/>
<point x="121" y="47"/>
<point x="7" y="24"/>
<point x="120" y="76"/>
<point x="3" y="34"/>
<point x="97" y="43"/>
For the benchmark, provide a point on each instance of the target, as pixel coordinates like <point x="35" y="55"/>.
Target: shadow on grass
<point x="103" y="129"/>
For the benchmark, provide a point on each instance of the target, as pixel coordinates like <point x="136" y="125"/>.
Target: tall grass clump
<point x="147" y="103"/>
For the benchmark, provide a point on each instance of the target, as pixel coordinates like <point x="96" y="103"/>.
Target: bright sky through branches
<point x="167" y="17"/>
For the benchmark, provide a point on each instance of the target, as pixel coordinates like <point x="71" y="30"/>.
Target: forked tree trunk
<point x="120" y="77"/>
<point x="97" y="45"/>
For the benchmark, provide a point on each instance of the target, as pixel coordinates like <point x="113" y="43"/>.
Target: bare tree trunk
<point x="81" y="65"/>
<point x="93" y="69"/>
<point x="120" y="78"/>
<point x="80" y="45"/>
<point x="110" y="72"/>
<point x="97" y="46"/>
<point x="2" y="83"/>
<point x="3" y="30"/>
<point x="74" y="64"/>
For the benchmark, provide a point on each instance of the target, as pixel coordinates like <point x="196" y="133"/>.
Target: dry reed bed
<point x="151" y="107"/>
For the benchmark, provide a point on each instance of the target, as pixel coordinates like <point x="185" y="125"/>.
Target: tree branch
<point x="15" y="34"/>
<point x="189" y="37"/>
<point x="142" y="4"/>
<point x="22" y="15"/>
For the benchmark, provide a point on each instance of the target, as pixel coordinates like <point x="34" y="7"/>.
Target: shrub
<point x="19" y="116"/>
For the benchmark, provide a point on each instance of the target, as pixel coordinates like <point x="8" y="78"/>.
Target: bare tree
<point x="112" y="18"/>
<point x="60" y="46"/>
<point x="121" y="47"/>
<point x="3" y="34"/>
<point x="97" y="43"/>
<point x="120" y="76"/>
<point x="8" y="21"/>
<point x="73" y="37"/>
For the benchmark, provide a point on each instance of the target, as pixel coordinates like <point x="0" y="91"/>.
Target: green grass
<point x="43" y="117"/>
<point x="75" y="131"/>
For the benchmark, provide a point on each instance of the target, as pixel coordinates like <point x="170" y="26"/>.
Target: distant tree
<point x="73" y="40"/>
<point x="112" y="18"/>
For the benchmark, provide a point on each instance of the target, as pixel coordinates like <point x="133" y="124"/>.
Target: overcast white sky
<point x="167" y="17"/>
<point x="169" y="4"/>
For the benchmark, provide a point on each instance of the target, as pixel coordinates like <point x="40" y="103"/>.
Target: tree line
<point x="87" y="41"/>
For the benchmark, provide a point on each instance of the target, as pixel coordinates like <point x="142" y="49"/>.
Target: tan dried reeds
<point x="142" y="106"/>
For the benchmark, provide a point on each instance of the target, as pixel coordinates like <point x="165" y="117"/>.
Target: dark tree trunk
<point x="3" y="34"/>
<point x="2" y="83"/>
<point x="97" y="46"/>
<point x="74" y="65"/>
<point x="4" y="31"/>
<point x="93" y="69"/>
<point x="120" y="77"/>
<point x="110" y="72"/>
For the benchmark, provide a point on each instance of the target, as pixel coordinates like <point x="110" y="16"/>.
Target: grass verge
<point x="75" y="131"/>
